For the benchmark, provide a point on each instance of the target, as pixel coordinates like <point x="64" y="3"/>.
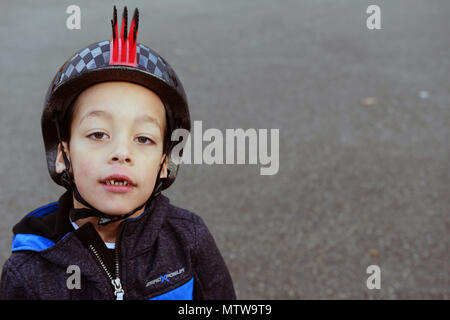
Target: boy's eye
<point x="98" y="135"/>
<point x="144" y="140"/>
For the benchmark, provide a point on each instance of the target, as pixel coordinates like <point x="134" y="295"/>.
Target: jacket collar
<point x="43" y="227"/>
<point x="47" y="225"/>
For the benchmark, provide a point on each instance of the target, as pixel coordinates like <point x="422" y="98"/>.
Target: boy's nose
<point x="122" y="156"/>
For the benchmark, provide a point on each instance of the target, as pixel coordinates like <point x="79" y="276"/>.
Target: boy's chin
<point x="117" y="210"/>
<point x="114" y="208"/>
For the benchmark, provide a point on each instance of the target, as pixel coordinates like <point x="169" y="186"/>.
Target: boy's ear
<point x="164" y="168"/>
<point x="60" y="166"/>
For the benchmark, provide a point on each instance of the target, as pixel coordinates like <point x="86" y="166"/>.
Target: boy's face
<point x="117" y="129"/>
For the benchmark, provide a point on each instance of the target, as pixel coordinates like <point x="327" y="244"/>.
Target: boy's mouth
<point x="118" y="183"/>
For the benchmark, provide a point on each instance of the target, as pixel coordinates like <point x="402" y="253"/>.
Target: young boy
<point x="107" y="123"/>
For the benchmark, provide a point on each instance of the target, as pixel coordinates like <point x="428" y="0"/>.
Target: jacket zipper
<point x="116" y="283"/>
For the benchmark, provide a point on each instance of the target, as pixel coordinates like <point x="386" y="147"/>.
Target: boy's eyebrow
<point x="148" y="118"/>
<point x="95" y="113"/>
<point x="99" y="113"/>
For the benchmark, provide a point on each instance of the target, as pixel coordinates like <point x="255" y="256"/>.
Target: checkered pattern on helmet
<point x="94" y="56"/>
<point x="97" y="56"/>
<point x="149" y="60"/>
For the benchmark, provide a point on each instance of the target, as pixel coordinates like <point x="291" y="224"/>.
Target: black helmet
<point x="118" y="59"/>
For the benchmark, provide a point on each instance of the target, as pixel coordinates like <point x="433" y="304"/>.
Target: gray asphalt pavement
<point x="363" y="118"/>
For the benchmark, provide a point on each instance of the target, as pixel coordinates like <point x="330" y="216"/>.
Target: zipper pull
<point x="118" y="291"/>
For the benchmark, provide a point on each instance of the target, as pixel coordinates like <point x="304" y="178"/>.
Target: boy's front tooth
<point x="117" y="183"/>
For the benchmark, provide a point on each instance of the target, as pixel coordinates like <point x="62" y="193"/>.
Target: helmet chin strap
<point x="91" y="211"/>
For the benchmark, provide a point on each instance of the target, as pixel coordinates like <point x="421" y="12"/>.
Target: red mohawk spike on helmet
<point x="123" y="46"/>
<point x="114" y="45"/>
<point x="133" y="35"/>
<point x="124" y="35"/>
<point x="123" y="32"/>
<point x="134" y="25"/>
